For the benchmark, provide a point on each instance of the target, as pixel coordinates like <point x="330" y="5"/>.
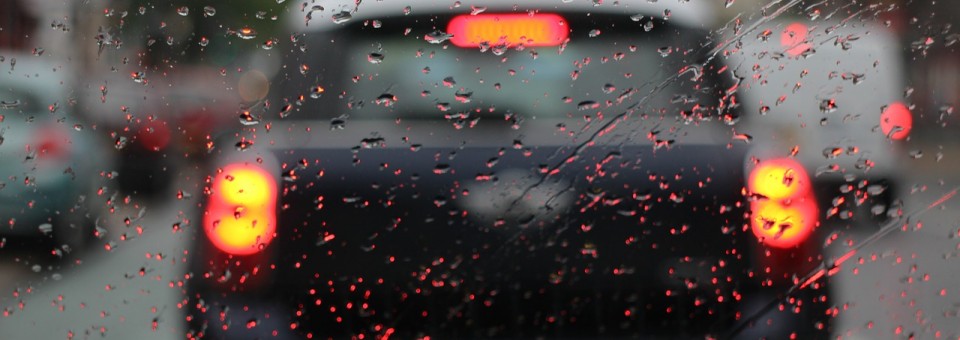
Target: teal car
<point x="51" y="166"/>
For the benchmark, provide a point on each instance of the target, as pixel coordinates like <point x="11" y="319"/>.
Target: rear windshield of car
<point x="386" y="69"/>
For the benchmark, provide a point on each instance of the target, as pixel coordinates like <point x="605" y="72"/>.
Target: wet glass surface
<point x="493" y="169"/>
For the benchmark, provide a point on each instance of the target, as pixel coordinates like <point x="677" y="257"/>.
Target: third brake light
<point x="511" y="29"/>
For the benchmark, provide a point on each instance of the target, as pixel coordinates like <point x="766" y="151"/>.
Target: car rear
<point x="410" y="183"/>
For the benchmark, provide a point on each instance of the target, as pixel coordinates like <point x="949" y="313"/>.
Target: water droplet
<point x="246" y="118"/>
<point x="9" y="104"/>
<point x="138" y="77"/>
<point x="474" y="10"/>
<point x="441" y="169"/>
<point x="665" y="51"/>
<point x="449" y="82"/>
<point x="386" y="99"/>
<point x="375" y="58"/>
<point x="338" y="123"/>
<point x="370" y="143"/>
<point x="45" y="228"/>
<point x="341" y="17"/>
<point x="183" y="11"/>
<point x="120" y="142"/>
<point x="587" y="105"/>
<point x="463" y="96"/>
<point x="209" y="11"/>
<point x="267" y="45"/>
<point x="286" y="110"/>
<point x="243" y="144"/>
<point x="316" y="91"/>
<point x="246" y="33"/>
<point x="437" y="37"/>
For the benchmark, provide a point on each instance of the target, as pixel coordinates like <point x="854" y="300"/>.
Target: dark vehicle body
<point x="603" y="215"/>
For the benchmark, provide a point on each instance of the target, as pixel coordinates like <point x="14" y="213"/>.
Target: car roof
<point x="694" y="14"/>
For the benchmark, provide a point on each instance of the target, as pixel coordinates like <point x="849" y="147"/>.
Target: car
<point x="159" y="123"/>
<point x="832" y="96"/>
<point x="502" y="170"/>
<point x="52" y="170"/>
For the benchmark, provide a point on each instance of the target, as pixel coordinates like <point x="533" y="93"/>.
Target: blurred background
<point x="150" y="85"/>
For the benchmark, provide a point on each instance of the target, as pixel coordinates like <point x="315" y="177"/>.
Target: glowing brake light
<point x="787" y="213"/>
<point x="51" y="143"/>
<point x="779" y="179"/>
<point x="794" y="39"/>
<point x="511" y="29"/>
<point x="241" y="213"/>
<point x="896" y="121"/>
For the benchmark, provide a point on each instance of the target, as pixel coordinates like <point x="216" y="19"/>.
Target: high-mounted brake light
<point x="241" y="213"/>
<point x="785" y="212"/>
<point x="541" y="29"/>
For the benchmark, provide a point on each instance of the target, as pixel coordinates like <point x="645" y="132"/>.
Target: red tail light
<point x="786" y="213"/>
<point x="794" y="39"/>
<point x="896" y="121"/>
<point x="510" y="29"/>
<point x="51" y="142"/>
<point x="241" y="213"/>
<point x="154" y="135"/>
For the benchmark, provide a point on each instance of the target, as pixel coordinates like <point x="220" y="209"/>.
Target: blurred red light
<point x="511" y="29"/>
<point x="787" y="213"/>
<point x="154" y="135"/>
<point x="794" y="38"/>
<point x="241" y="213"/>
<point x="896" y="121"/>
<point x="779" y="179"/>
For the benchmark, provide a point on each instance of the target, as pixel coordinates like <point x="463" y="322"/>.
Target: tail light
<point x="794" y="39"/>
<point x="154" y="135"/>
<point x="896" y="121"/>
<point x="50" y="143"/>
<point x="240" y="218"/>
<point x="785" y="209"/>
<point x="540" y="29"/>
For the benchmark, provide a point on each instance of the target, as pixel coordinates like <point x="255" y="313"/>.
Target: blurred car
<point x="52" y="165"/>
<point x="158" y="122"/>
<point x="501" y="170"/>
<point x="832" y="96"/>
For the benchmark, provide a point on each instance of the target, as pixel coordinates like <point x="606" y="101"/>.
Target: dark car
<point x="497" y="170"/>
